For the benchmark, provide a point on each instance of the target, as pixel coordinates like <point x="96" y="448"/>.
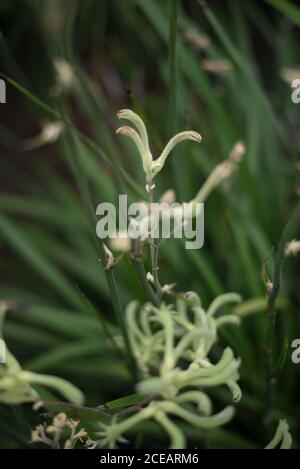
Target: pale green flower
<point x="16" y="383"/>
<point x="139" y="136"/>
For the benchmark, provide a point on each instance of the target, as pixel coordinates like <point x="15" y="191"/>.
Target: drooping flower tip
<point x="168" y="288"/>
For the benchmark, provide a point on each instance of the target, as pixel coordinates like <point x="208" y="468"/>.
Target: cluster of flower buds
<point x="171" y="345"/>
<point x="62" y="433"/>
<point x="139" y="136"/>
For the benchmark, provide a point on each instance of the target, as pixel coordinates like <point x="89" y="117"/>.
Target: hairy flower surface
<point x="171" y="345"/>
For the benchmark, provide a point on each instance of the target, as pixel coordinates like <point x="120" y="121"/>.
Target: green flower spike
<point x="151" y="167"/>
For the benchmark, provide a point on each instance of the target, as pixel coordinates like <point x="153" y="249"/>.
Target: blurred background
<point x="229" y="78"/>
